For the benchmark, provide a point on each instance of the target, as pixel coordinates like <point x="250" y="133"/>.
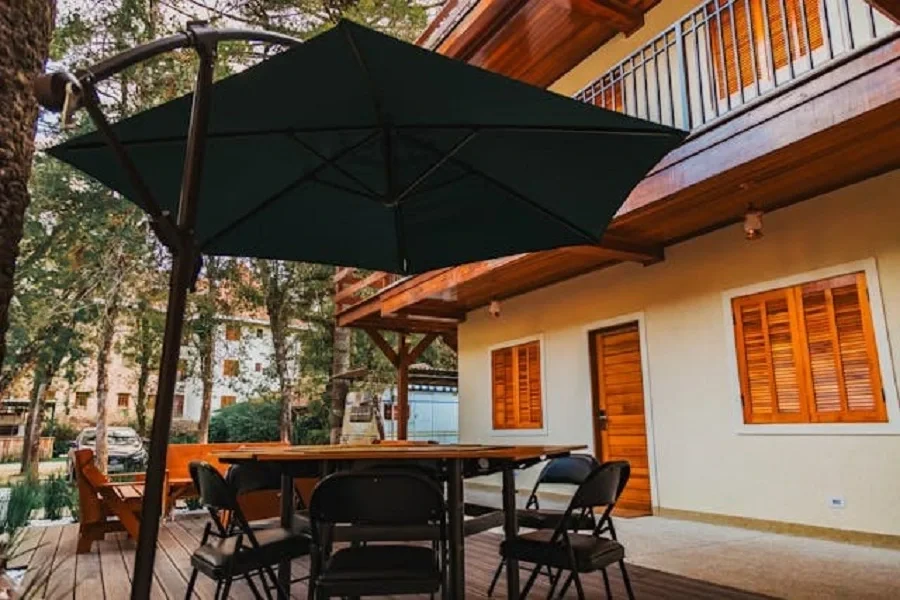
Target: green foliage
<point x="74" y="502"/>
<point x="193" y="503"/>
<point x="24" y="498"/>
<point x="311" y="426"/>
<point x="183" y="432"/>
<point x="63" y="432"/>
<point x="57" y="496"/>
<point x="255" y="421"/>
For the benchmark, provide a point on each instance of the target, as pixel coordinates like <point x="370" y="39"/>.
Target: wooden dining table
<point x="454" y="463"/>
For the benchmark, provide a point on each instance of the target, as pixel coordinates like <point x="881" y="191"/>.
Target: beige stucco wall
<point x="702" y="462"/>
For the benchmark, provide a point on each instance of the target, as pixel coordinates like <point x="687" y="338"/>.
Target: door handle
<point x="602" y="419"/>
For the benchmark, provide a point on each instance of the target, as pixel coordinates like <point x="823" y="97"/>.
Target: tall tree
<point x="204" y="327"/>
<point x="109" y="315"/>
<point x="141" y="348"/>
<point x="25" y="29"/>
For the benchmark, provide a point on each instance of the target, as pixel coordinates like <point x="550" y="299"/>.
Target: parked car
<point x="126" y="449"/>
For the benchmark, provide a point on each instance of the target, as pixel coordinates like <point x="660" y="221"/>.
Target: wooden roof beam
<point x="615" y="249"/>
<point x="625" y="17"/>
<point x="891" y="8"/>
<point x="395" y="302"/>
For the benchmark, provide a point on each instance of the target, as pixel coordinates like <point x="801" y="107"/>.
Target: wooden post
<point x="402" y="389"/>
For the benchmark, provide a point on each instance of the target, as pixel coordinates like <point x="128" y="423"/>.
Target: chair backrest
<point x="572" y="470"/>
<point x="215" y="493"/>
<point x="88" y="477"/>
<point x="253" y="477"/>
<point x="180" y="456"/>
<point x="602" y="487"/>
<point x="373" y="497"/>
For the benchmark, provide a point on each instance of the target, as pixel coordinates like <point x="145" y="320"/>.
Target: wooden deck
<point x="105" y="573"/>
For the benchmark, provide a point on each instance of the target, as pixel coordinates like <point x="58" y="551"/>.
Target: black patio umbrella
<point x="352" y="149"/>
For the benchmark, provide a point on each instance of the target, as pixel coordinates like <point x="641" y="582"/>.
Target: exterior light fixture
<point x="753" y="225"/>
<point x="494" y="309"/>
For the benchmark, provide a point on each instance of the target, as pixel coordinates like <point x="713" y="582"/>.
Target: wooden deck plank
<point x="105" y="573"/>
<point x="31" y="539"/>
<point x="89" y="578"/>
<point x="42" y="560"/>
<point x="62" y="577"/>
<point x="115" y="577"/>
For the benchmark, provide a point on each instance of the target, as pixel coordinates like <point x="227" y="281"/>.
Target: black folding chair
<point x="370" y="508"/>
<point x="231" y="549"/>
<point x="577" y="553"/>
<point x="256" y="477"/>
<point x="569" y="470"/>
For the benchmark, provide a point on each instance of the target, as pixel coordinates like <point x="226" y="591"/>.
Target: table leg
<point x="457" y="564"/>
<point x="510" y="530"/>
<point x="287" y="518"/>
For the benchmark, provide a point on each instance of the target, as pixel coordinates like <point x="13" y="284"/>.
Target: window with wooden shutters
<point x="230" y="367"/>
<point x="807" y="354"/>
<point x="517" y="397"/>
<point x="742" y="34"/>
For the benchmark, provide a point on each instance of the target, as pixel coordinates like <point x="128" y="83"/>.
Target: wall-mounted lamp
<point x="494" y="309"/>
<point x="753" y="225"/>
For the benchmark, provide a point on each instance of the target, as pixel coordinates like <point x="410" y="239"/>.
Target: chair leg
<point x="282" y="593"/>
<point x="253" y="588"/>
<point x="626" y="580"/>
<point x="606" y="583"/>
<point x="565" y="587"/>
<point x="612" y="529"/>
<point x="554" y="581"/>
<point x="578" y="585"/>
<point x="226" y="588"/>
<point x="530" y="582"/>
<point x="496" y="577"/>
<point x="191" y="583"/>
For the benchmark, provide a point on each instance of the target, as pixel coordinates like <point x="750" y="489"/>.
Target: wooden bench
<point x="105" y="506"/>
<point x="178" y="484"/>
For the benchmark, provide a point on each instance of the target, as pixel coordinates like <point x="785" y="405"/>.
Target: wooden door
<point x="620" y="427"/>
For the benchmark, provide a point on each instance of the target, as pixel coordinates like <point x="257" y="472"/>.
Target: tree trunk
<point x="207" y="376"/>
<point x="206" y="348"/>
<point x="279" y="342"/>
<point x="107" y="333"/>
<point x="140" y="404"/>
<point x="340" y="363"/>
<point x="31" y="443"/>
<point x="25" y="28"/>
<point x="275" y="308"/>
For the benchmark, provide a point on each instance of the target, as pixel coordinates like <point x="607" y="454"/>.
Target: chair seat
<point x="591" y="553"/>
<point x="219" y="555"/>
<point x="376" y="563"/>
<point x="549" y="519"/>
<point x="301" y="523"/>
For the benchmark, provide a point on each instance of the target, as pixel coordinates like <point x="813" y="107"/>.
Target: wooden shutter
<point x="767" y="337"/>
<point x="516" y="387"/>
<point x="230" y="367"/>
<point x="844" y="373"/>
<point x="746" y="23"/>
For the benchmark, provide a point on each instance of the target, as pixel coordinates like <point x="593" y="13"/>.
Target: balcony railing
<point x="725" y="53"/>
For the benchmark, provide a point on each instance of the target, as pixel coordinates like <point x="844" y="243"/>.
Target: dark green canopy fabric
<point x="357" y="149"/>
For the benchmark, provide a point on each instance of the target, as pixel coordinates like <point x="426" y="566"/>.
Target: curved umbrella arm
<point x="61" y="90"/>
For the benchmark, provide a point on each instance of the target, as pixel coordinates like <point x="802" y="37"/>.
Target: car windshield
<point x="117" y="438"/>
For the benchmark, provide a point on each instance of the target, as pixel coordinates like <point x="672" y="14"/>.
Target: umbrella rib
<point x="430" y="170"/>
<point x="334" y="165"/>
<point x="591" y="238"/>
<point x="387" y="150"/>
<point x="587" y="130"/>
<point x="287" y="189"/>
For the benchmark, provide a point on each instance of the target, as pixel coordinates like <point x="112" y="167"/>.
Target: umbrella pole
<point x="185" y="257"/>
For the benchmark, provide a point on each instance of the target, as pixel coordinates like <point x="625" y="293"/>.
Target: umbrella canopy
<point x="361" y="150"/>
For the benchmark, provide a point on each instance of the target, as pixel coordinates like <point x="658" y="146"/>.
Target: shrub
<point x="255" y="421"/>
<point x="56" y="496"/>
<point x="63" y="432"/>
<point x="311" y="426"/>
<point x="183" y="432"/>
<point x="24" y="497"/>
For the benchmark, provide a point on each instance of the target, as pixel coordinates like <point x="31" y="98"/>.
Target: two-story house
<point x="737" y="333"/>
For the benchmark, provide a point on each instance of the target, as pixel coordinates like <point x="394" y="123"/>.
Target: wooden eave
<point x="536" y="41"/>
<point x="833" y="127"/>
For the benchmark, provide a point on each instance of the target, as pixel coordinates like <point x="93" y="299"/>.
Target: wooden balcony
<point x="767" y="139"/>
